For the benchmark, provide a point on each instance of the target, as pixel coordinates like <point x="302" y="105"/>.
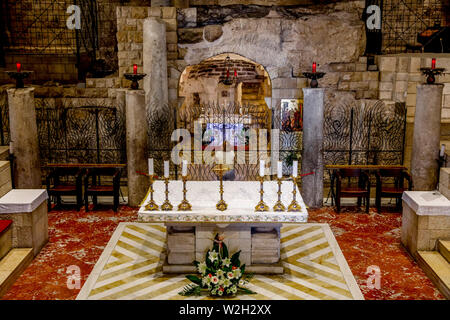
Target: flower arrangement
<point x="220" y="275"/>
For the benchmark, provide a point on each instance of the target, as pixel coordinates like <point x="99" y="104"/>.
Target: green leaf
<point x="224" y="251"/>
<point x="194" y="279"/>
<point x="235" y="259"/>
<point x="245" y="291"/>
<point x="190" y="290"/>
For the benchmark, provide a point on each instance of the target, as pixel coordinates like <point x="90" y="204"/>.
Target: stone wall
<point x="279" y="40"/>
<point x="399" y="76"/>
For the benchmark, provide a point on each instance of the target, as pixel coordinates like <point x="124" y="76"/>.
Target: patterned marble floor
<point x="130" y="267"/>
<point x="79" y="238"/>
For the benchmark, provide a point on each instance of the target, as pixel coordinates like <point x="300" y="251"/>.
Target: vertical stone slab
<point x="137" y="140"/>
<point x="426" y="137"/>
<point x="312" y="157"/>
<point x="23" y="127"/>
<point x="155" y="64"/>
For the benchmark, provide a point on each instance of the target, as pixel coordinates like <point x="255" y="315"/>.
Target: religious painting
<point x="292" y="115"/>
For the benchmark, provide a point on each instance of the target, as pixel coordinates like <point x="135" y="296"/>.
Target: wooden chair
<point x="360" y="190"/>
<point x="65" y="182"/>
<point x="383" y="191"/>
<point x="94" y="186"/>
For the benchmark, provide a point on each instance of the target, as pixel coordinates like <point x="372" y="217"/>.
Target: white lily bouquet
<point x="219" y="274"/>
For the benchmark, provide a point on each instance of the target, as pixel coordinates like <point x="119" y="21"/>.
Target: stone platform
<point x="130" y="268"/>
<point x="257" y="234"/>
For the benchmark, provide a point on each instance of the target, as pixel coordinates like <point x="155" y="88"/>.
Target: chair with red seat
<point x="359" y="190"/>
<point x="97" y="182"/>
<point x="65" y="182"/>
<point x="383" y="190"/>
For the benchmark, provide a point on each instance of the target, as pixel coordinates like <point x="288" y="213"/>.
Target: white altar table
<point x="256" y="234"/>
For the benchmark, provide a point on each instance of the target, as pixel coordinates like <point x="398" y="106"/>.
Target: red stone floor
<point x="78" y="238"/>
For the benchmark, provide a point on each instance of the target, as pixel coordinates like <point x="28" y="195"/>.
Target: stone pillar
<point x="312" y="157"/>
<point x="23" y="127"/>
<point x="155" y="64"/>
<point x="137" y="140"/>
<point x="426" y="137"/>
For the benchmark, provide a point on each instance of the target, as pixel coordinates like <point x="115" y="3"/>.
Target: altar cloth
<point x="241" y="197"/>
<point x="22" y="200"/>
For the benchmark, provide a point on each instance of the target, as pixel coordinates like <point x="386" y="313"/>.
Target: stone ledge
<point x="427" y="202"/>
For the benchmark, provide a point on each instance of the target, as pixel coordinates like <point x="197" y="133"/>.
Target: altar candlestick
<point x="184" y="168"/>
<point x="314" y="67"/>
<point x="166" y="169"/>
<point x="280" y="170"/>
<point x="135" y="69"/>
<point x="150" y="166"/>
<point x="441" y="154"/>
<point x="262" y="164"/>
<point x="294" y="168"/>
<point x="19" y="67"/>
<point x="433" y="63"/>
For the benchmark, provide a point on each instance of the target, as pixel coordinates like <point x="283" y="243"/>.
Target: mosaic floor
<point x="130" y="267"/>
<point x="79" y="238"/>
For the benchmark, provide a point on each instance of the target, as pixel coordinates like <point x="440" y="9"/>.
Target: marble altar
<point x="256" y="234"/>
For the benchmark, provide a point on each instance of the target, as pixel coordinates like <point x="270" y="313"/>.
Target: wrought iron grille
<point x="39" y="27"/>
<point x="403" y="20"/>
<point x="89" y="134"/>
<point x="364" y="132"/>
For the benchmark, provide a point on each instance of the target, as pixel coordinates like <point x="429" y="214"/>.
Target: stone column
<point x="23" y="127"/>
<point x="137" y="140"/>
<point x="426" y="137"/>
<point x="312" y="157"/>
<point x="155" y="64"/>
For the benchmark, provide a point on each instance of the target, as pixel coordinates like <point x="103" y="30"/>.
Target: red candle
<point x="19" y="67"/>
<point x="135" y="69"/>
<point x="235" y="73"/>
<point x="228" y="73"/>
<point x="433" y="63"/>
<point x="314" y="67"/>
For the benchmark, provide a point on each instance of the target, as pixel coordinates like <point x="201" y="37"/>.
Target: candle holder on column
<point x="184" y="205"/>
<point x="294" y="206"/>
<point x="261" y="206"/>
<point x="151" y="206"/>
<point x="166" y="206"/>
<point x="279" y="206"/>
<point x="19" y="75"/>
<point x="431" y="73"/>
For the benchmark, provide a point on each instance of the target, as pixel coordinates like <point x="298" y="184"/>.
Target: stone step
<point x="5" y="178"/>
<point x="5" y="237"/>
<point x="437" y="268"/>
<point x="444" y="249"/>
<point x="12" y="266"/>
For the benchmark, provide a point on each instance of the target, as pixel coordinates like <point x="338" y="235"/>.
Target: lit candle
<point x="166" y="169"/>
<point x="262" y="164"/>
<point x="441" y="154"/>
<point x="314" y="67"/>
<point x="19" y="67"/>
<point x="184" y="168"/>
<point x="135" y="69"/>
<point x="294" y="168"/>
<point x="11" y="150"/>
<point x="280" y="170"/>
<point x="433" y="63"/>
<point x="150" y="166"/>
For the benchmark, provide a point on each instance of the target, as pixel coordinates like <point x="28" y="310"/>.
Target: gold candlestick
<point x="151" y="206"/>
<point x="184" y="205"/>
<point x="220" y="169"/>
<point x="261" y="206"/>
<point x="279" y="206"/>
<point x="294" y="206"/>
<point x="166" y="206"/>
